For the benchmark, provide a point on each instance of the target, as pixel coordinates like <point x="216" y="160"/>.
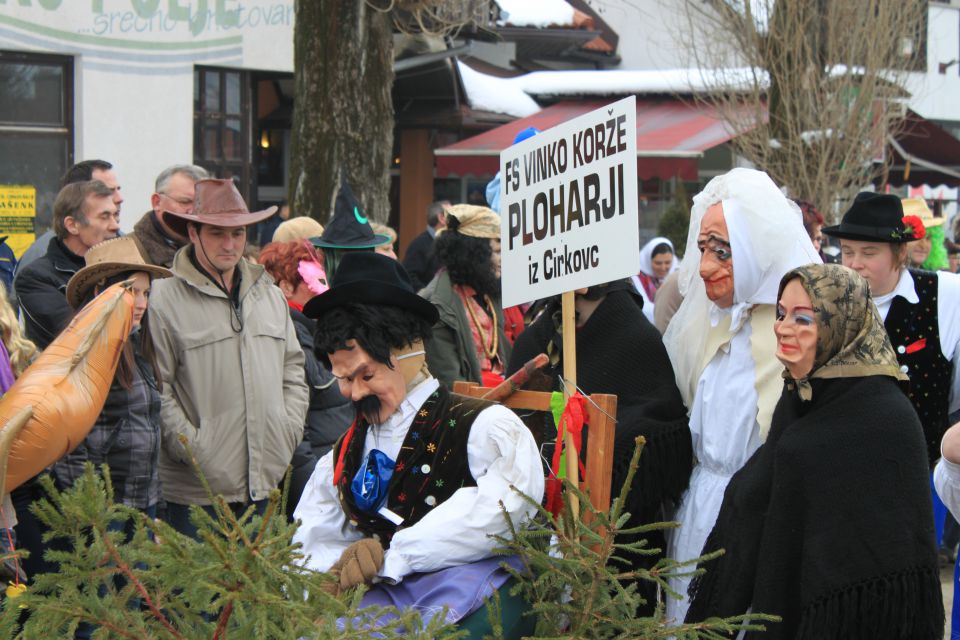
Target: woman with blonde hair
<point x="16" y="353"/>
<point x="15" y="347"/>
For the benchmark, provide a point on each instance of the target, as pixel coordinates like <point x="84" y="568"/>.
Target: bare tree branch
<point x="826" y="85"/>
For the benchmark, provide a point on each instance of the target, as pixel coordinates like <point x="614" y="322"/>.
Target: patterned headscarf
<point x="851" y="338"/>
<point x="476" y="222"/>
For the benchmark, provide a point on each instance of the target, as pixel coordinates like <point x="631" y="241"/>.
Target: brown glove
<point x="359" y="563"/>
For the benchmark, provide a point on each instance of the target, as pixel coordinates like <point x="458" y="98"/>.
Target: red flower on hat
<point x="913" y="225"/>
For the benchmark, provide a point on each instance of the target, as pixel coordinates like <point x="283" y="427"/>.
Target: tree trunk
<point x="343" y="112"/>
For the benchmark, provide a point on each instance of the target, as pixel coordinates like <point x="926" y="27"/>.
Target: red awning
<point x="671" y="138"/>
<point x="924" y="153"/>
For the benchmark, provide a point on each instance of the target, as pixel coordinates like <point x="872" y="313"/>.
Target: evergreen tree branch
<point x="132" y="579"/>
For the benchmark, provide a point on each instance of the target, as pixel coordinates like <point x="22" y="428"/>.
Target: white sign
<point x="568" y="205"/>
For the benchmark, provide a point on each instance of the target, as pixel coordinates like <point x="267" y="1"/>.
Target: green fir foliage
<point x="675" y="220"/>
<point x="573" y="577"/>
<point x="244" y="579"/>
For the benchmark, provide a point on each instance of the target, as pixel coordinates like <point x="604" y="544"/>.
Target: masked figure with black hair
<point x="412" y="497"/>
<point x="468" y="341"/>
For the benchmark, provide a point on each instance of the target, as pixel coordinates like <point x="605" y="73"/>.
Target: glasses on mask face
<point x="717" y="245"/>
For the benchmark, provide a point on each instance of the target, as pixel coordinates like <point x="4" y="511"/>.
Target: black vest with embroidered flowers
<point x="914" y="331"/>
<point x="431" y="466"/>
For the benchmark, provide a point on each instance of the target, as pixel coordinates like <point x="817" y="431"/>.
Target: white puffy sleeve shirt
<point x="500" y="451"/>
<point x="946" y="480"/>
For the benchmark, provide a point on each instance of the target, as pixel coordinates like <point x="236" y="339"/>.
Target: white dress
<point x="725" y="433"/>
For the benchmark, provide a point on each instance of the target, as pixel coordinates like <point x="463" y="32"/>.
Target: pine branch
<point x="131" y="577"/>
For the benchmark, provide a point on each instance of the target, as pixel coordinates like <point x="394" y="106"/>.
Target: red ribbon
<point x="916" y="346"/>
<point x="338" y="469"/>
<point x="572" y="418"/>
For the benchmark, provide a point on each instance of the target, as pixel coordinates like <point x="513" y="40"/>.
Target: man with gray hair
<point x="84" y="214"/>
<point x="173" y="191"/>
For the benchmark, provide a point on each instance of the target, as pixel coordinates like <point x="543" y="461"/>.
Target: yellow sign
<point x="18" y="208"/>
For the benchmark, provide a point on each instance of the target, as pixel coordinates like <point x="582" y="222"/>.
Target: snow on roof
<point x="535" y="13"/>
<point x="512" y="96"/>
<point x="499" y="95"/>
<point x="621" y="82"/>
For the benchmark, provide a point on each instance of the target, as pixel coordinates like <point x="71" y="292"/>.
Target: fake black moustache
<point x="369" y="408"/>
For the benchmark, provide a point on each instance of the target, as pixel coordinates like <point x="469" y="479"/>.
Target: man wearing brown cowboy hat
<point x="228" y="355"/>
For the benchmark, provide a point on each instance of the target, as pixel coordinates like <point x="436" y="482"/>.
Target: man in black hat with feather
<point x="920" y="309"/>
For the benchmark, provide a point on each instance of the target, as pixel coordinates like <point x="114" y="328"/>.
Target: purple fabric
<point x="6" y="371"/>
<point x="462" y="589"/>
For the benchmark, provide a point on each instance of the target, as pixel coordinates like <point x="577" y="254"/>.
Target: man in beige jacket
<point x="232" y="369"/>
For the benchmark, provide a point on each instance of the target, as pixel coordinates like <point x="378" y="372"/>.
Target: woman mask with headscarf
<point x="744" y="236"/>
<point x="805" y="535"/>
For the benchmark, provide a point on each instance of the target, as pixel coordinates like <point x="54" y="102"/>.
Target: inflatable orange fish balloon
<point x="56" y="401"/>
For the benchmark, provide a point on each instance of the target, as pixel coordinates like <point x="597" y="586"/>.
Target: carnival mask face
<point x="716" y="260"/>
<point x="314" y="276"/>
<point x="375" y="389"/>
<point x="796" y="330"/>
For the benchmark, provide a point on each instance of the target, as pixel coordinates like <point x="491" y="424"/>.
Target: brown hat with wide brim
<point x="216" y="202"/>
<point x="107" y="259"/>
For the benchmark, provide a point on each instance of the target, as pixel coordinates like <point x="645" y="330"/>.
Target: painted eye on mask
<point x="801" y="319"/>
<point x="722" y="253"/>
<point x="719" y="247"/>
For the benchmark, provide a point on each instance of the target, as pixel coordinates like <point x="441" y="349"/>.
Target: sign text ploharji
<point x="569" y="205"/>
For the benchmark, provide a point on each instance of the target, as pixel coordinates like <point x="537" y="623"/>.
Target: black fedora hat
<point x="367" y="277"/>
<point x="349" y="228"/>
<point x="873" y="217"/>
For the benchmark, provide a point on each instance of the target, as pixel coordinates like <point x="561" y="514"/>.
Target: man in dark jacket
<point x="84" y="214"/>
<point x="420" y="261"/>
<point x="8" y="264"/>
<point x="80" y="172"/>
<point x="173" y="191"/>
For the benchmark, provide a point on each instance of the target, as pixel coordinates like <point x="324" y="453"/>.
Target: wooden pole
<point x="569" y="314"/>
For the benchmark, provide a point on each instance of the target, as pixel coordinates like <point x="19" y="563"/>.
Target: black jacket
<point x="41" y="291"/>
<point x="420" y="261"/>
<point x="329" y="413"/>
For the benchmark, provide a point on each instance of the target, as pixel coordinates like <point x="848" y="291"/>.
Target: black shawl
<point x="829" y="524"/>
<point x="620" y="352"/>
